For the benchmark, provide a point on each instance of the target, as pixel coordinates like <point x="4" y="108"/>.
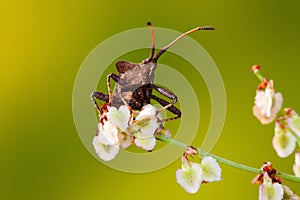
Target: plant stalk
<point x="202" y="153"/>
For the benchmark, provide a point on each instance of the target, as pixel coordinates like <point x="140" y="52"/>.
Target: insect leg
<point x="168" y="94"/>
<point x="116" y="78"/>
<point x="172" y="108"/>
<point x="100" y="96"/>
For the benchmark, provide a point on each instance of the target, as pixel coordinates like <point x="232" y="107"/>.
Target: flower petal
<point x="296" y="169"/>
<point x="105" y="152"/>
<point x="147" y="121"/>
<point x="263" y="100"/>
<point x="211" y="171"/>
<point x="296" y="166"/>
<point x="120" y="117"/>
<point x="147" y="110"/>
<point x="297" y="158"/>
<point x="294" y="124"/>
<point x="289" y="194"/>
<point x="148" y="128"/>
<point x="284" y="143"/>
<point x="145" y="143"/>
<point x="108" y="133"/>
<point x="269" y="191"/>
<point x="278" y="100"/>
<point x="190" y="177"/>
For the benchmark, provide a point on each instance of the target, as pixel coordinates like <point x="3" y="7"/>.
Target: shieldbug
<point x="134" y="82"/>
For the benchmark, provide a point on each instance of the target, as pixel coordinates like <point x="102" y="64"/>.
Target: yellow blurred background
<point x="42" y="47"/>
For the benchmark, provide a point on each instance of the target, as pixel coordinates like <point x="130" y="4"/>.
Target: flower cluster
<point x="119" y="128"/>
<point x="266" y="107"/>
<point x="192" y="175"/>
<point x="271" y="187"/>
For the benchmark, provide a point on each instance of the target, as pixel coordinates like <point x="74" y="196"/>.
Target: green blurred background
<point x="42" y="47"/>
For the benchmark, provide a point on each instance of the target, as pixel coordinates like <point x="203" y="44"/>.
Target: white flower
<point x="112" y="132"/>
<point x="296" y="166"/>
<point x="145" y="125"/>
<point x="211" y="171"/>
<point x="105" y="152"/>
<point x="120" y="117"/>
<point x="269" y="190"/>
<point x="267" y="104"/>
<point x="189" y="176"/>
<point x="284" y="142"/>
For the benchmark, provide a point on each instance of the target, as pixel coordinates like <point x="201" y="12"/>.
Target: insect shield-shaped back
<point x="133" y="85"/>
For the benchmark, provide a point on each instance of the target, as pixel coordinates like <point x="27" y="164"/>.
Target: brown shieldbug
<point x="134" y="83"/>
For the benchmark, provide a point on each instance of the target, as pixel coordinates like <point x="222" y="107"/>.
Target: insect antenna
<point x="153" y="44"/>
<point x="178" y="38"/>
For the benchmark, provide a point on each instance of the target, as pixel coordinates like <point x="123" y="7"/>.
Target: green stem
<point x="259" y="76"/>
<point x="228" y="162"/>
